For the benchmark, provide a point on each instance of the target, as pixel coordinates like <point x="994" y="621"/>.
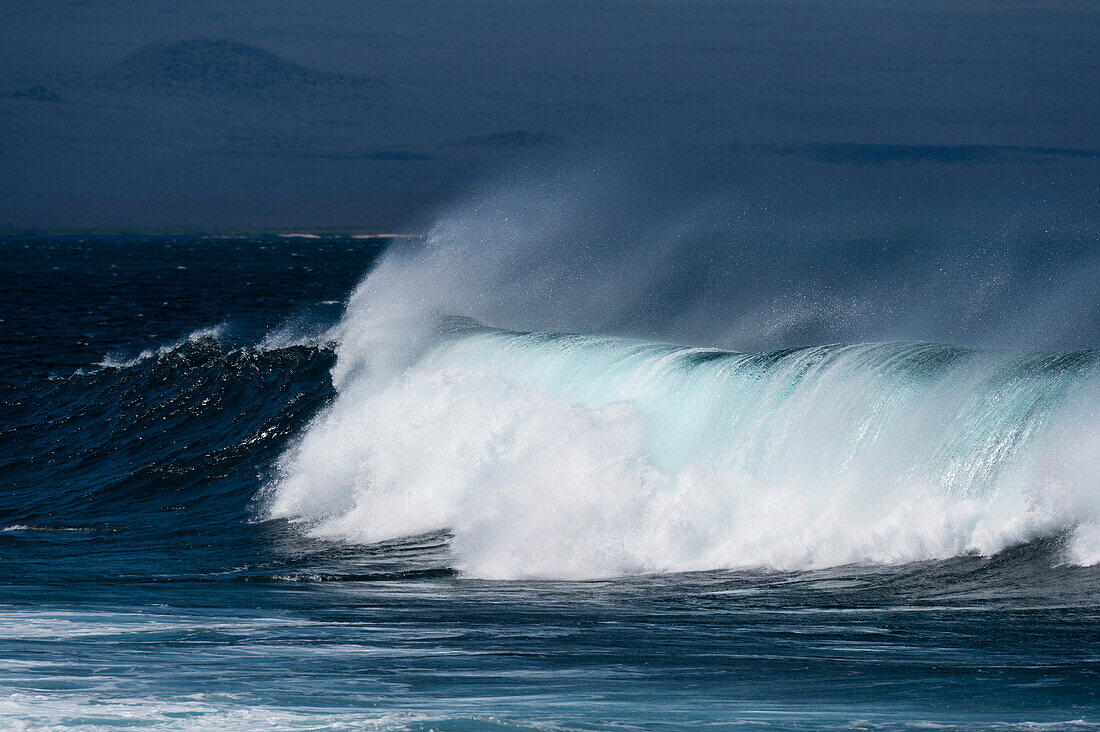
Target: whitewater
<point x="568" y="456"/>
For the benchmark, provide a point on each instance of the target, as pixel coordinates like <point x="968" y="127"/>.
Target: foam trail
<point x="570" y="456"/>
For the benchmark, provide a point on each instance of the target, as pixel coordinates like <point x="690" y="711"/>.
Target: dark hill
<point x="207" y="66"/>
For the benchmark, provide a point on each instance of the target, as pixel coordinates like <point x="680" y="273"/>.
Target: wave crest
<point x="565" y="456"/>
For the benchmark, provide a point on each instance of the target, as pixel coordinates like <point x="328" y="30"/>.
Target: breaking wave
<point x="569" y="456"/>
<point x="468" y="401"/>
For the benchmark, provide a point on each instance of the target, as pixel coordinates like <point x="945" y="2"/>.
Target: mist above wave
<point x="779" y="259"/>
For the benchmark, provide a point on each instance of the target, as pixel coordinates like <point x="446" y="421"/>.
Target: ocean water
<point x="269" y="484"/>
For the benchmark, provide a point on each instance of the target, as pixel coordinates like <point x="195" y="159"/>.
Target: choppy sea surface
<point x="239" y="492"/>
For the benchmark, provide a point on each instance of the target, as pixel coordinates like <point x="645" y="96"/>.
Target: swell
<point x="170" y="441"/>
<point x="556" y="455"/>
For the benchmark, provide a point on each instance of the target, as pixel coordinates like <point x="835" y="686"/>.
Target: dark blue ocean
<point x="245" y="488"/>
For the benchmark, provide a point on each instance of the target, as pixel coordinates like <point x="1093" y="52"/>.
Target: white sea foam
<point x="29" y="528"/>
<point x="109" y="711"/>
<point x="572" y="457"/>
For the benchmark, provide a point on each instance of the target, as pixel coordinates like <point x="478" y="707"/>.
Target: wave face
<point x="113" y="416"/>
<point x="566" y="456"/>
<point x="166" y="443"/>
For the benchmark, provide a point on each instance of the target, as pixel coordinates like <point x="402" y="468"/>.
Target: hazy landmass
<point x="342" y="116"/>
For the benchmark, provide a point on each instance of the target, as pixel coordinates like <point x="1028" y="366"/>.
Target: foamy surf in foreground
<point x="565" y="456"/>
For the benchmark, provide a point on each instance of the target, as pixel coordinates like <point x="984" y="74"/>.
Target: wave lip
<point x="551" y="455"/>
<point x="214" y="333"/>
<point x="289" y="335"/>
